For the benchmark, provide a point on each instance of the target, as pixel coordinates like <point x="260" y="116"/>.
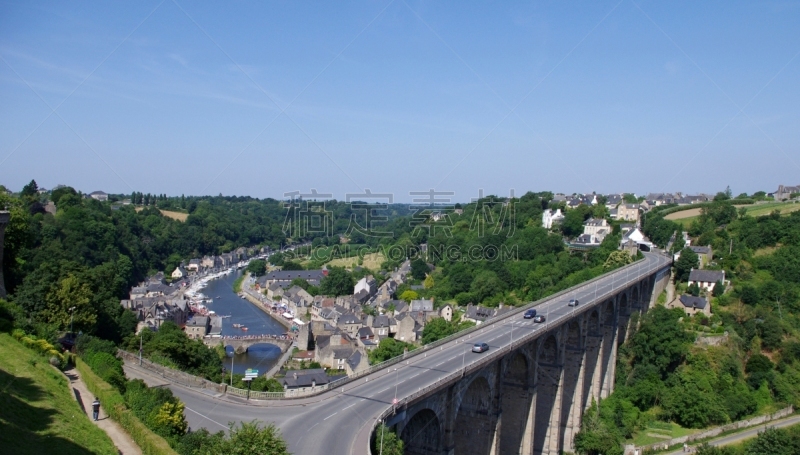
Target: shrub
<point x="114" y="405"/>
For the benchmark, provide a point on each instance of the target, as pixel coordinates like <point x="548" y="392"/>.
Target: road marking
<point x="326" y="418"/>
<point x="349" y="406"/>
<point x="204" y="416"/>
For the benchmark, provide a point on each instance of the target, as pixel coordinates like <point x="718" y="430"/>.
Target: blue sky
<point x="264" y="98"/>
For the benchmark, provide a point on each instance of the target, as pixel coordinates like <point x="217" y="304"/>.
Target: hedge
<point x="114" y="405"/>
<point x="39" y="345"/>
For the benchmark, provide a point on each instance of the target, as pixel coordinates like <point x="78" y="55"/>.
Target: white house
<point x="550" y="217"/>
<point x="179" y="273"/>
<point x="706" y="279"/>
<point x="99" y="195"/>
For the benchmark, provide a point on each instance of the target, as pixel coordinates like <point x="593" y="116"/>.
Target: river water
<point x="260" y="356"/>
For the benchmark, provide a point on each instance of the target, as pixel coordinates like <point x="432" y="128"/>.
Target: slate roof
<point x="365" y="332"/>
<point x="289" y="275"/>
<point x="304" y="378"/>
<point x="354" y="359"/>
<point x="349" y="318"/>
<point x="706" y="276"/>
<point x="690" y="301"/>
<point x="700" y="249"/>
<point x="421" y="305"/>
<point x="380" y="321"/>
<point x="479" y="313"/>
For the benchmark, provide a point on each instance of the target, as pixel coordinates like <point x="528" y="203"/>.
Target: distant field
<point x="372" y="261"/>
<point x="37" y="411"/>
<point x="766" y="209"/>
<point x="170" y="214"/>
<point x="685" y="217"/>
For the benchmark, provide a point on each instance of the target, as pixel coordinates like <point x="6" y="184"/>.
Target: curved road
<point x="339" y="421"/>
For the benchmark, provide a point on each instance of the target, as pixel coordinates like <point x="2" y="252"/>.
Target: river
<point x="260" y="356"/>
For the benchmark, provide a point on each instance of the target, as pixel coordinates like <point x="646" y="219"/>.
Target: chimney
<point x="295" y="376"/>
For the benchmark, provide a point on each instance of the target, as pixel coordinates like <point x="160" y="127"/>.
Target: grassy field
<point x="766" y="209"/>
<point x="38" y="414"/>
<point x="170" y="214"/>
<point x="660" y="431"/>
<point x="372" y="261"/>
<point x="686" y="217"/>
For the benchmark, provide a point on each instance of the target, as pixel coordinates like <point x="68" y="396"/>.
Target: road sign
<point x="251" y="373"/>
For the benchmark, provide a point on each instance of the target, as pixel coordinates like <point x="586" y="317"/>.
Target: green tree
<point x="249" y="438"/>
<point x="338" y="282"/>
<point x="291" y="265"/>
<point x="70" y="293"/>
<point x="438" y="328"/>
<point x="30" y="190"/>
<point x="688" y="261"/>
<point x="257" y="267"/>
<point x="387" y="442"/>
<point x="170" y="417"/>
<point x="409" y="295"/>
<point x="773" y="442"/>
<point x="617" y="259"/>
<point x="419" y="269"/>
<point x="387" y="349"/>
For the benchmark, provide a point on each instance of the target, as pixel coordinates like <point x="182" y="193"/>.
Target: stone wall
<point x="170" y="374"/>
<point x="755" y="421"/>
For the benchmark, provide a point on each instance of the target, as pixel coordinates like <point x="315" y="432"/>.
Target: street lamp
<point x="71" y="317"/>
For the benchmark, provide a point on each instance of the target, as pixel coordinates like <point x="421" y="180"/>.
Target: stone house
<point x="706" y="279"/>
<point x="628" y="212"/>
<point x="704" y="253"/>
<point x="407" y="328"/>
<point x="197" y="327"/>
<point x="693" y="305"/>
<point x="785" y="192"/>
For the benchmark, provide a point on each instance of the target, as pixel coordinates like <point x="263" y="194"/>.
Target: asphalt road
<point x="336" y="421"/>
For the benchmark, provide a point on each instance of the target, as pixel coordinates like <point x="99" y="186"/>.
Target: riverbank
<point x="269" y="312"/>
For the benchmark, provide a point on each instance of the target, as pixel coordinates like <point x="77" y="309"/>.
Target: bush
<point x="108" y="367"/>
<point x="114" y="405"/>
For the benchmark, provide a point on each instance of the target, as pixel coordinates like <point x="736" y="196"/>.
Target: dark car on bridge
<point x="480" y="347"/>
<point x="539" y="319"/>
<point x="529" y="314"/>
<point x="573" y="302"/>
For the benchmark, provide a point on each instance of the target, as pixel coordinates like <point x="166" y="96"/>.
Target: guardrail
<point x="427" y="348"/>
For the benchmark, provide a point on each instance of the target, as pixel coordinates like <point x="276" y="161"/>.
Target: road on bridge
<point x="340" y="421"/>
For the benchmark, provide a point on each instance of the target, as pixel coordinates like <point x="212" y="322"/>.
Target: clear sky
<point x="265" y="98"/>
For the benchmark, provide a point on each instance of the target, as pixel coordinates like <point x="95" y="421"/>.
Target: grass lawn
<point x="766" y="209"/>
<point x="38" y="414"/>
<point x="660" y="431"/>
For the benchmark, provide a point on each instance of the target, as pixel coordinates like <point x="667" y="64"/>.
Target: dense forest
<point x="663" y="375"/>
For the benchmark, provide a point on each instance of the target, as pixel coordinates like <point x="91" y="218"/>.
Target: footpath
<point x="121" y="439"/>
<point x="736" y="438"/>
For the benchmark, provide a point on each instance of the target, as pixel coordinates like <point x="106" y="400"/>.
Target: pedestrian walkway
<point x="121" y="439"/>
<point x="736" y="438"/>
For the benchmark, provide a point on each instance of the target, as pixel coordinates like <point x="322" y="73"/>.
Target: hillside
<point x="37" y="413"/>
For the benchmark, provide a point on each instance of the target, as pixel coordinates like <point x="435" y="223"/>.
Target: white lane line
<point x="349" y="406"/>
<point x="412" y="377"/>
<point x="204" y="416"/>
<point x="326" y="418"/>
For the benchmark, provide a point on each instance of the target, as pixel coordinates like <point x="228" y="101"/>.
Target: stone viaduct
<point x="530" y="400"/>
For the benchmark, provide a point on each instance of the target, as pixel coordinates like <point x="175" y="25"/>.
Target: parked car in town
<point x="538" y="319"/>
<point x="480" y="347"/>
<point x="529" y="314"/>
<point x="573" y="302"/>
